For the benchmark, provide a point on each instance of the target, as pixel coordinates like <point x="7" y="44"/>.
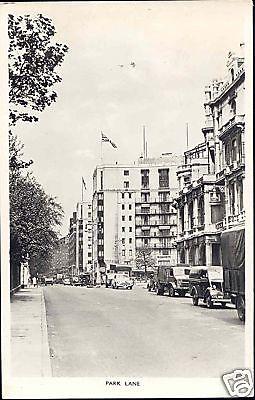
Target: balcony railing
<point x="236" y="219"/>
<point x="234" y="121"/>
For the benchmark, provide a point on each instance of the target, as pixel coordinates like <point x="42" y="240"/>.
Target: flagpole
<point x="101" y="149"/>
<point x="81" y="190"/>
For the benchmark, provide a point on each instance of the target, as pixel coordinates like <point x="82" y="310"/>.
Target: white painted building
<point x="132" y="209"/>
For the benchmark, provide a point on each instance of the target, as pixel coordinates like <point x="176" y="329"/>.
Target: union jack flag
<point x="104" y="138"/>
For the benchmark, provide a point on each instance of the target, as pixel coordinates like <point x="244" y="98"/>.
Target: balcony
<point x="236" y="121"/>
<point x="236" y="219"/>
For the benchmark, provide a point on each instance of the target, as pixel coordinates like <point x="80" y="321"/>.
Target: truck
<point x="233" y="262"/>
<point x="113" y="270"/>
<point x="206" y="283"/>
<point x="172" y="279"/>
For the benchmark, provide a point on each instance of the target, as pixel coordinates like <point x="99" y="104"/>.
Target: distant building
<point x="211" y="178"/>
<point x="132" y="210"/>
<point x="80" y="239"/>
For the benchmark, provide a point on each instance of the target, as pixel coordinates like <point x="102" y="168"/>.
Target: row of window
<point x="163" y="178"/>
<point x="123" y="228"/>
<point x="129" y="240"/>
<point x="129" y="206"/>
<point x="129" y="218"/>
<point x="129" y="253"/>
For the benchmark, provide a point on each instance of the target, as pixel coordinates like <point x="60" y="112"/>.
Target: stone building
<point x="80" y="239"/>
<point x="211" y="178"/>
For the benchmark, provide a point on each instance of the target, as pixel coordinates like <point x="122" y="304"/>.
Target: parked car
<point x="67" y="281"/>
<point x="114" y="269"/>
<point x="206" y="283"/>
<point x="85" y="279"/>
<point x="48" y="281"/>
<point x="233" y="261"/>
<point x="173" y="279"/>
<point x="75" y="281"/>
<point x="122" y="281"/>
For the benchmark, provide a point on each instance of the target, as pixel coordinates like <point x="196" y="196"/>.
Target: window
<point x="130" y="253"/>
<point x="126" y="172"/>
<point x="145" y="178"/>
<point x="101" y="180"/>
<point x="130" y="229"/>
<point x="123" y="229"/>
<point x="89" y="254"/>
<point x="89" y="246"/>
<point x="126" y="184"/>
<point x="123" y="217"/>
<point x="130" y="206"/>
<point x="146" y="242"/>
<point x="145" y="197"/>
<point x="163" y="177"/>
<point x="130" y="240"/>
<point x="163" y="196"/>
<point x="122" y="195"/>
<point x="89" y="214"/>
<point x="234" y="150"/>
<point x="123" y="240"/>
<point x="123" y="253"/>
<point x="130" y="195"/>
<point x="130" y="217"/>
<point x="123" y="206"/>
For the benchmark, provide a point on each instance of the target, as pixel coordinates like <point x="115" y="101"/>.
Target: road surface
<point x="97" y="332"/>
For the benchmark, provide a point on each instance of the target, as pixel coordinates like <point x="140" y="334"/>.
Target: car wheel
<point x="194" y="299"/>
<point x="223" y="305"/>
<point x="171" y="291"/>
<point x="240" y="306"/>
<point x="208" y="301"/>
<point x="182" y="293"/>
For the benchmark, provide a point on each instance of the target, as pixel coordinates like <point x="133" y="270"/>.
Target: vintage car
<point x="48" y="281"/>
<point x="173" y="279"/>
<point x="85" y="279"/>
<point x="67" y="281"/>
<point x="206" y="283"/>
<point x="122" y="280"/>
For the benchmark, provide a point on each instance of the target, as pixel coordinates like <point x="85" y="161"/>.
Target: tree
<point x="34" y="218"/>
<point x="145" y="259"/>
<point x="33" y="62"/>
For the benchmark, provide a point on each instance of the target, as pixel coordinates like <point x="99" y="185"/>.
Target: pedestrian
<point x="34" y="281"/>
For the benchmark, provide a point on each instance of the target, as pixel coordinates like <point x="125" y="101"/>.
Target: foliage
<point x="33" y="60"/>
<point x="145" y="259"/>
<point x="15" y="154"/>
<point x="34" y="218"/>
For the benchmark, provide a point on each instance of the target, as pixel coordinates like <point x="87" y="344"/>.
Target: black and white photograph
<point x="126" y="199"/>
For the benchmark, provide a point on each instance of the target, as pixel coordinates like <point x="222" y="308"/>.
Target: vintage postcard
<point x="126" y="206"/>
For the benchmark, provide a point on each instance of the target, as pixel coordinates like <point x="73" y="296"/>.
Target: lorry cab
<point x="173" y="279"/>
<point x="206" y="283"/>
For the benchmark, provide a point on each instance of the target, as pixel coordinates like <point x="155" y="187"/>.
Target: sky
<point x="177" y="48"/>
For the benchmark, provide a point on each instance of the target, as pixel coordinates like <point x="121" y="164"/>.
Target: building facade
<point x="132" y="210"/>
<point x="211" y="180"/>
<point x="80" y="239"/>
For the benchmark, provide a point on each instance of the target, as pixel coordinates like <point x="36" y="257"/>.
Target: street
<point x="106" y="332"/>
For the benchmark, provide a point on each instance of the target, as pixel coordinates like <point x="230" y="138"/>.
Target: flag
<point x="104" y="138"/>
<point x="84" y="184"/>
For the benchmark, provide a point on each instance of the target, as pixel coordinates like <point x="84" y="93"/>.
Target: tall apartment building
<point x="211" y="178"/>
<point x="132" y="209"/>
<point x="80" y="239"/>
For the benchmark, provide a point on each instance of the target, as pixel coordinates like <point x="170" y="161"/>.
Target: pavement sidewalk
<point x="30" y="356"/>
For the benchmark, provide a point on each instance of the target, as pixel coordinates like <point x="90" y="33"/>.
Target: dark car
<point x="206" y="283"/>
